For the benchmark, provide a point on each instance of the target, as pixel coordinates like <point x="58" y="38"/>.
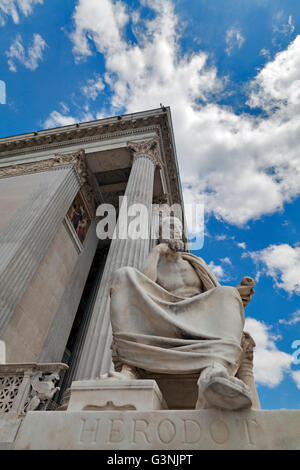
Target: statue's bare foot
<point x="223" y="391"/>
<point x="126" y="373"/>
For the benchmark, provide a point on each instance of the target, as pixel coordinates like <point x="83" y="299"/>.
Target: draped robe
<point x="158" y="331"/>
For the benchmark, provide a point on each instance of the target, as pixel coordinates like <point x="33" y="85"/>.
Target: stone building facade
<point x="55" y="276"/>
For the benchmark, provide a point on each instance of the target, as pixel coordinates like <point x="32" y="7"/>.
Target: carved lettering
<point x="251" y="430"/>
<point x="115" y="431"/>
<point x="139" y="428"/>
<point x="89" y="431"/>
<point x="219" y="431"/>
<point x="192" y="431"/>
<point x="166" y="431"/>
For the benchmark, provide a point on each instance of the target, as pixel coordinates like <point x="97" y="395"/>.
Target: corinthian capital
<point x="146" y="148"/>
<point x="77" y="159"/>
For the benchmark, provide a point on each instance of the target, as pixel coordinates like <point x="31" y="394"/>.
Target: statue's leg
<point x="221" y="390"/>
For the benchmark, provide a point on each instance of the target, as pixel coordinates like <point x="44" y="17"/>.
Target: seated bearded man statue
<point x="173" y="317"/>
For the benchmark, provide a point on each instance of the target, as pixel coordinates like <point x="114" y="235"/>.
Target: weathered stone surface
<point x="160" y="430"/>
<point x="116" y="394"/>
<point x="8" y="431"/>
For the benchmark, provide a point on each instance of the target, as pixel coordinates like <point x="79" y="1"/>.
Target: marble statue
<point x="174" y="317"/>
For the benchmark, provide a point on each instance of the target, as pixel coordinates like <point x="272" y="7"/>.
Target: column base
<point x="118" y="395"/>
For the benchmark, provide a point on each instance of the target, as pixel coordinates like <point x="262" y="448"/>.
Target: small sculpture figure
<point x="42" y="389"/>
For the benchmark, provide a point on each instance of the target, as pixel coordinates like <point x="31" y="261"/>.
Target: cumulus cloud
<point x="277" y="85"/>
<point x="93" y="87"/>
<point x="282" y="263"/>
<point x="217" y="270"/>
<point x="234" y="39"/>
<point x="270" y="364"/>
<point x="242" y="166"/>
<point x="57" y="119"/>
<point x="29" y="59"/>
<point x="13" y="8"/>
<point x="102" y="22"/>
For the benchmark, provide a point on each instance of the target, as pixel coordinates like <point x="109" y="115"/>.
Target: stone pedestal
<point x="160" y="430"/>
<point x="117" y="395"/>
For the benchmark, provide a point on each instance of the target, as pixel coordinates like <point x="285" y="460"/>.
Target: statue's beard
<point x="175" y="244"/>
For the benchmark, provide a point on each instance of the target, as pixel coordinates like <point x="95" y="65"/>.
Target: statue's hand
<point x="246" y="289"/>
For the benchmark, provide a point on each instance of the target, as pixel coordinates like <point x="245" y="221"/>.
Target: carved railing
<point x="26" y="387"/>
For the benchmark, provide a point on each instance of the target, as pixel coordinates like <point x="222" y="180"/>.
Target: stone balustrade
<point x="27" y="387"/>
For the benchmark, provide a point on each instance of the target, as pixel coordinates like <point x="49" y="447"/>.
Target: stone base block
<point x="160" y="430"/>
<point x="112" y="394"/>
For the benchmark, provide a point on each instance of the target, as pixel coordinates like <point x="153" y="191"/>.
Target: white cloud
<point x="56" y="119"/>
<point x="226" y="260"/>
<point x="282" y="263"/>
<point x="265" y="52"/>
<point x="296" y="376"/>
<point x="270" y="364"/>
<point x="93" y="88"/>
<point x="13" y="8"/>
<point x="29" y="59"/>
<point x="246" y="166"/>
<point x="277" y="85"/>
<point x="103" y="21"/>
<point x="283" y="24"/>
<point x="293" y="320"/>
<point x="221" y="237"/>
<point x="234" y="38"/>
<point x="242" y="245"/>
<point x="217" y="270"/>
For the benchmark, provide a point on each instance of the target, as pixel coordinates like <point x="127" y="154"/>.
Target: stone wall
<point x="33" y="317"/>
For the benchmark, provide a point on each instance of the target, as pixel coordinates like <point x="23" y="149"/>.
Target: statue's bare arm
<point x="150" y="266"/>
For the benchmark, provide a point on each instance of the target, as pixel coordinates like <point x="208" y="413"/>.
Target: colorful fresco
<point x="79" y="218"/>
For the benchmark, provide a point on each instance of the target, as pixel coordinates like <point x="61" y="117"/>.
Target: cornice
<point x="81" y="136"/>
<point x="65" y="138"/>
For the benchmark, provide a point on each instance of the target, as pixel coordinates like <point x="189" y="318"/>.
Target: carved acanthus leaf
<point x="150" y="148"/>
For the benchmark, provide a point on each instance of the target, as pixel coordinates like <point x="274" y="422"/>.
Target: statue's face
<point x="171" y="229"/>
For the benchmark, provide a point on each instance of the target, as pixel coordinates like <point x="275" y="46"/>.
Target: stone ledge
<point x="160" y="430"/>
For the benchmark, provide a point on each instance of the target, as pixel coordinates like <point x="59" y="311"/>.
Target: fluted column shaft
<point x="96" y="355"/>
<point x="26" y="237"/>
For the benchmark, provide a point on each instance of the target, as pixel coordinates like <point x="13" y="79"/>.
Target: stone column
<point x="96" y="354"/>
<point x="27" y="236"/>
<point x="157" y="213"/>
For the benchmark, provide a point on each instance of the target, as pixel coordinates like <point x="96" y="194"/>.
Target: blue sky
<point x="230" y="71"/>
